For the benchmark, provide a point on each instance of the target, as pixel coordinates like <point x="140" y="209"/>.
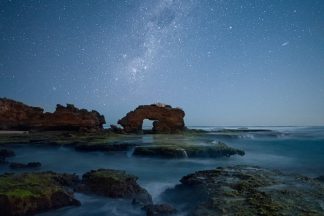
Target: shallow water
<point x="290" y="149"/>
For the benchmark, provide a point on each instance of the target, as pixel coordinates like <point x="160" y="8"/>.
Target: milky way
<point x="154" y="28"/>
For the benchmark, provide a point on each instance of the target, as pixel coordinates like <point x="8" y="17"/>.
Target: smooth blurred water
<point x="290" y="149"/>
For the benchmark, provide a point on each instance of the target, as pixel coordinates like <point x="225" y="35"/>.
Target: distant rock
<point x="15" y="165"/>
<point x="18" y="116"/>
<point x="116" y="129"/>
<point x="115" y="184"/>
<point x="166" y="119"/>
<point x="31" y="193"/>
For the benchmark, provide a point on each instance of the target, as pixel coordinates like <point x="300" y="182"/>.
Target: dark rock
<point x="159" y="210"/>
<point x="31" y="193"/>
<point x="115" y="184"/>
<point x="15" y="165"/>
<point x="243" y="190"/>
<point x="166" y="119"/>
<point x="18" y="116"/>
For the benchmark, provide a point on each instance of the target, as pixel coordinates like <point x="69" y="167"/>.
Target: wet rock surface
<point x="115" y="184"/>
<point x="30" y="193"/>
<point x="243" y="190"/>
<point x="18" y="116"/>
<point x="166" y="119"/>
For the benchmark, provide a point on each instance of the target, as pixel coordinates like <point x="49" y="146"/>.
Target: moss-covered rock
<point x="115" y="184"/>
<point x="187" y="150"/>
<point x="242" y="190"/>
<point x="30" y="193"/>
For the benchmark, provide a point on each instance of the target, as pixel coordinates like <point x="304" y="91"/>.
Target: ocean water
<point x="289" y="149"/>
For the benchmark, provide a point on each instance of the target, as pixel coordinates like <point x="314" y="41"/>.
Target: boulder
<point x="15" y="165"/>
<point x="31" y="193"/>
<point x="18" y="116"/>
<point x="166" y="119"/>
<point x="115" y="184"/>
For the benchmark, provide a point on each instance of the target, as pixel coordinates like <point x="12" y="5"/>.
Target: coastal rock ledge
<point x="166" y="119"/>
<point x="18" y="116"/>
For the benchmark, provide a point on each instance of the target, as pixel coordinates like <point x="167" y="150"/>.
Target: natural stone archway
<point x="166" y="119"/>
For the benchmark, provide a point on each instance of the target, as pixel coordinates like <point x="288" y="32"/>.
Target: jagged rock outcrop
<point x="166" y="119"/>
<point x="18" y="116"/>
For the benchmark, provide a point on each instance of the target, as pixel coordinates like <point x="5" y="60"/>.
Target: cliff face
<point x="167" y="119"/>
<point x="18" y="116"/>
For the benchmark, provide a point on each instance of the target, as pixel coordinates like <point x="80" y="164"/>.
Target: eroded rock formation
<point x="18" y="116"/>
<point x="166" y="119"/>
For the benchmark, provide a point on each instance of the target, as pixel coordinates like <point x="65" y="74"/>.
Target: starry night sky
<point x="224" y="62"/>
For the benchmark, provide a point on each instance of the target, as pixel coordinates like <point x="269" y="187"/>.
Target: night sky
<point x="224" y="62"/>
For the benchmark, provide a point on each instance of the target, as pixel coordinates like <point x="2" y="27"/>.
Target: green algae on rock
<point x="243" y="190"/>
<point x="30" y="193"/>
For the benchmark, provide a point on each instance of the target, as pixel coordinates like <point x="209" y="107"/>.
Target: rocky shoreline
<point x="233" y="190"/>
<point x="237" y="190"/>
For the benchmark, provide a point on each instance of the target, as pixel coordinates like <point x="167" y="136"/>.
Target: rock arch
<point x="166" y="119"/>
